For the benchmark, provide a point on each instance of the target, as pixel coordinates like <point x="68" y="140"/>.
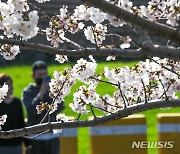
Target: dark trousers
<point x="45" y="146"/>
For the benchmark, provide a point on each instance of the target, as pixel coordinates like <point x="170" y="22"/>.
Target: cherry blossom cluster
<point x="107" y="103"/>
<point x="61" y="58"/>
<point x="83" y="97"/>
<point x="3" y="92"/>
<point x="83" y="12"/>
<point x="155" y="10"/>
<point x="25" y="25"/>
<point x="61" y="23"/>
<point x="84" y="69"/>
<point x="61" y="85"/>
<point x="46" y="106"/>
<point x="96" y="34"/>
<point x="146" y="81"/>
<point x="126" y="42"/>
<point x="114" y="21"/>
<point x="8" y="51"/>
<point x="65" y="22"/>
<point x="62" y="118"/>
<point x="150" y="80"/>
<point x="17" y="20"/>
<point x="162" y="9"/>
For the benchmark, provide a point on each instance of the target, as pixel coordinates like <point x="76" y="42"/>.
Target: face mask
<point x="39" y="81"/>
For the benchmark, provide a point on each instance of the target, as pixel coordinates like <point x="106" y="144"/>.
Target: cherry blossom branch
<point x="131" y="53"/>
<point x="113" y="105"/>
<point x="33" y="137"/>
<point x="143" y="36"/>
<point x="170" y="70"/>
<point x="38" y="9"/>
<point x="160" y="51"/>
<point x="102" y="109"/>
<point x="73" y="44"/>
<point x="88" y="123"/>
<point x="148" y="50"/>
<point x="47" y="113"/>
<point x="45" y="116"/>
<point x="145" y="40"/>
<point x="151" y="26"/>
<point x="114" y="84"/>
<point x="134" y="40"/>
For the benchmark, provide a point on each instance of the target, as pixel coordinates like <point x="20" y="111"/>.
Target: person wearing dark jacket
<point x="32" y="96"/>
<point x="13" y="108"/>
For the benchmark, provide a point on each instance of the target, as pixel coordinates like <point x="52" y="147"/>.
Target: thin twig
<point x="126" y="98"/>
<point x="47" y="113"/>
<point x="145" y="95"/>
<point x="119" y="86"/>
<point x="163" y="89"/>
<point x="133" y="40"/>
<point x="78" y="116"/>
<point x="166" y="67"/>
<point x="68" y="61"/>
<point x="104" y="81"/>
<point x="92" y="111"/>
<point x="73" y="44"/>
<point x="33" y="137"/>
<point x="95" y="39"/>
<point x="102" y="109"/>
<point x="113" y="105"/>
<point x="49" y="117"/>
<point x="38" y="9"/>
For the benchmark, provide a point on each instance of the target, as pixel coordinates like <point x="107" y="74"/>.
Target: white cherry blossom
<point x="83" y="69"/>
<point x="3" y="92"/>
<point x="83" y="97"/>
<point x="9" y="52"/>
<point x="61" y="85"/>
<point x="3" y="119"/>
<point x="126" y="43"/>
<point x="96" y="34"/>
<point x="42" y="1"/>
<point x="61" y="58"/>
